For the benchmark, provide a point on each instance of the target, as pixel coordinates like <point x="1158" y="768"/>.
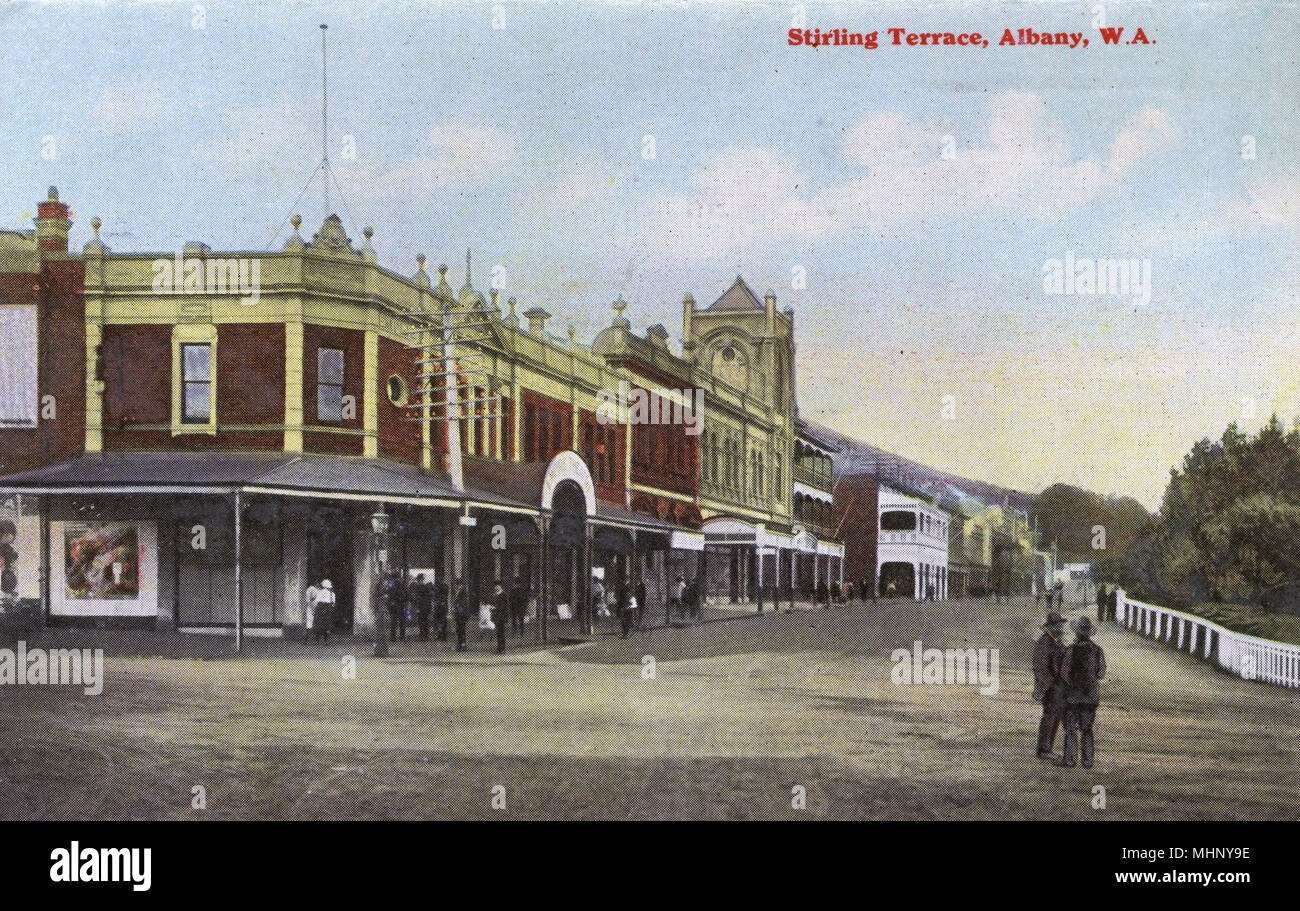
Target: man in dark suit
<point x="441" y="603"/>
<point x="460" y="610"/>
<point x="396" y="594"/>
<point x="1049" y="689"/>
<point x="500" y="614"/>
<point x="518" y="604"/>
<point x="1082" y="667"/>
<point x="422" y="600"/>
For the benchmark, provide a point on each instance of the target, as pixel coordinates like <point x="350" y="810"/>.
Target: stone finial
<point x="96" y="246"/>
<point x="367" y="251"/>
<point x="421" y="277"/>
<point x="295" y="241"/>
<point x="53" y="194"/>
<point x="513" y="320"/>
<point x="618" y="307"/>
<point x="573" y="335"/>
<point x="493" y="294"/>
<point x="444" y="289"/>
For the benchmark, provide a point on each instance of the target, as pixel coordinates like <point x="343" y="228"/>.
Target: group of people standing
<point x="1067" y="682"/>
<point x="436" y="607"/>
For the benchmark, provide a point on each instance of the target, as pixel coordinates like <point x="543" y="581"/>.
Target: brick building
<point x="184" y="432"/>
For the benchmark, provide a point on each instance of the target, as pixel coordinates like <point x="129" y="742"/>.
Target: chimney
<point x="769" y="301"/>
<point x="688" y="340"/>
<point x="537" y="318"/>
<point x="52" y="224"/>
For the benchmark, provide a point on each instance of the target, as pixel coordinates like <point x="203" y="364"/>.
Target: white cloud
<point x="278" y="139"/>
<point x="138" y="103"/>
<point x="743" y="196"/>
<point x="1023" y="163"/>
<point x="1273" y="201"/>
<point x="451" y="154"/>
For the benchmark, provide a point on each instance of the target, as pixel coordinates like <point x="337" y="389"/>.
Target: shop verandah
<point x="145" y="539"/>
<point x="752" y="564"/>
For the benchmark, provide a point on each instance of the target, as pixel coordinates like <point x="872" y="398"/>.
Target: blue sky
<point x="923" y="273"/>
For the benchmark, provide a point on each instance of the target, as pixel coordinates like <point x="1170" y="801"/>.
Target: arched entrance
<point x="897" y="580"/>
<point x="566" y="563"/>
<point x="569" y="494"/>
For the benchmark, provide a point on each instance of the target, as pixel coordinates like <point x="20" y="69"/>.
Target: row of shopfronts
<point x="142" y="540"/>
<point x="214" y="454"/>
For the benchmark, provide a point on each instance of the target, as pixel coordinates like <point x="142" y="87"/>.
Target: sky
<point x="907" y="201"/>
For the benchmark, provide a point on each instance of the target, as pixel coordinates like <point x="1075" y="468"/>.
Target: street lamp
<point x="379" y="531"/>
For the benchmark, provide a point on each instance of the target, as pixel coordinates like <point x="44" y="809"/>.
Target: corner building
<point x="184" y="433"/>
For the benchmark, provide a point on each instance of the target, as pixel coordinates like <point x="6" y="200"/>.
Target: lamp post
<point x="379" y="532"/>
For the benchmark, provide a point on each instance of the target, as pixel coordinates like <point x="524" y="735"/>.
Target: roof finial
<point x="467" y="261"/>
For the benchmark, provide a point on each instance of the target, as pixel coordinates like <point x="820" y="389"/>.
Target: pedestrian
<point x="310" y="597"/>
<point x="422" y="601"/>
<point x="641" y="604"/>
<point x="675" y="608"/>
<point x="396" y="596"/>
<point x="518" y="604"/>
<point x="623" y="600"/>
<point x="500" y="614"/>
<point x="441" y="604"/>
<point x="1101" y="603"/>
<point x="598" y="609"/>
<point x="320" y="611"/>
<point x="1049" y="688"/>
<point x="460" y="613"/>
<point x="1058" y="592"/>
<point x="1082" y="668"/>
<point x="693" y="598"/>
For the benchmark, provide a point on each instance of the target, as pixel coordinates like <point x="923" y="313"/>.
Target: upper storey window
<point x="196" y="364"/>
<point x="329" y="385"/>
<point x="194" y="378"/>
<point x="18" y="378"/>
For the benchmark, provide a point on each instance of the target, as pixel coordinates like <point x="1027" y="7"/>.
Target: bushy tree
<point x="1229" y="525"/>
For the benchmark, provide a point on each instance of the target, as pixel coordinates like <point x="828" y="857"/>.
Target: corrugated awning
<point x="327" y="477"/>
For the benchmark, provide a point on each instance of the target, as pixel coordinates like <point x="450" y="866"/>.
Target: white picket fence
<point x="1246" y="656"/>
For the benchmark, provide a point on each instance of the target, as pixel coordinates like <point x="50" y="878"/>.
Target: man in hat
<point x="1082" y="668"/>
<point x="1049" y="688"/>
<point x="422" y="599"/>
<point x="460" y="612"/>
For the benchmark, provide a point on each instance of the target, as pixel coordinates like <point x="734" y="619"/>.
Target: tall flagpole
<point x="324" y="122"/>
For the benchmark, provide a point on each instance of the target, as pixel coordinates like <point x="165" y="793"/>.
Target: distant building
<point x="912" y="553"/>
<point x="893" y="541"/>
